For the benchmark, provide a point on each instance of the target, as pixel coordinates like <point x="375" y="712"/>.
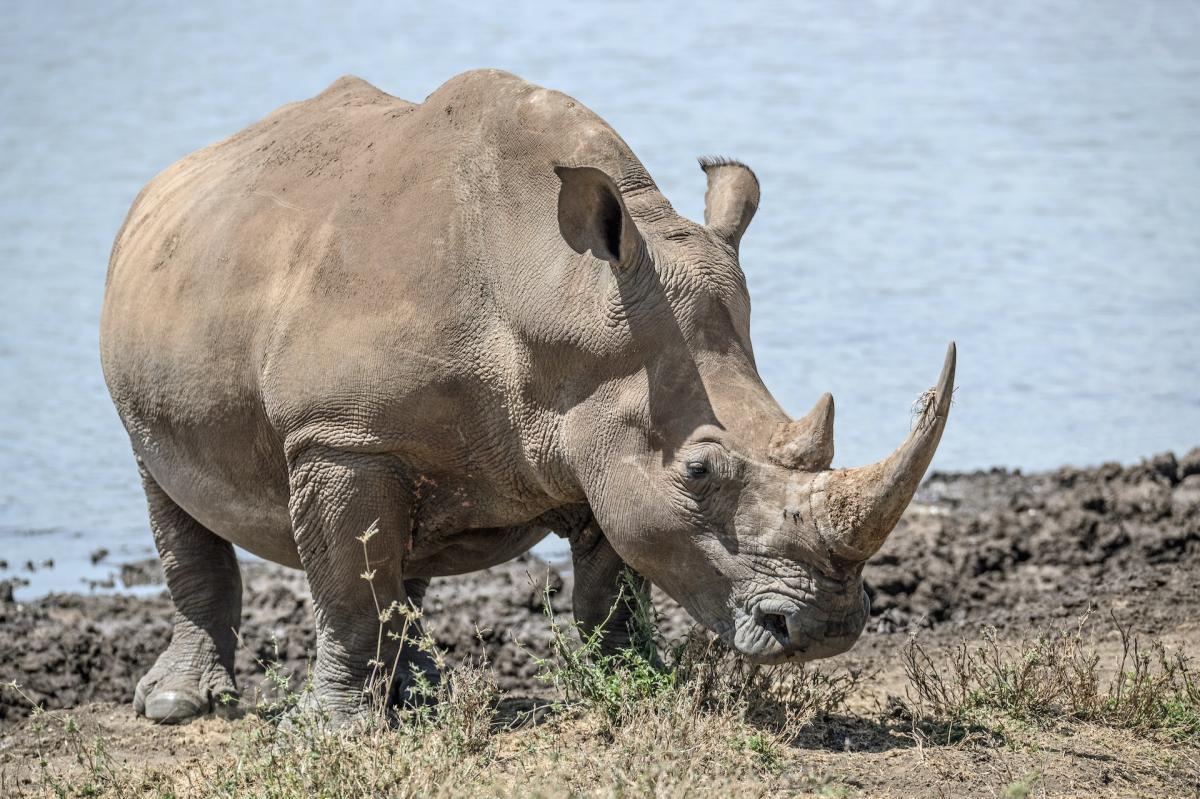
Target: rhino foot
<point x="169" y="695"/>
<point x="334" y="705"/>
<point x="417" y="682"/>
<point x="310" y="712"/>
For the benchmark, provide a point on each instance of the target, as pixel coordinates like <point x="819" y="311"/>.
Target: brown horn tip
<point x="807" y="443"/>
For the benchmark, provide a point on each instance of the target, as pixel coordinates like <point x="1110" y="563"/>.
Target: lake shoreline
<point x="993" y="547"/>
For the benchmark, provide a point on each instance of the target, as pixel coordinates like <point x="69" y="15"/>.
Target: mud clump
<point x="67" y="649"/>
<point x="992" y="547"/>
<point x="141" y="572"/>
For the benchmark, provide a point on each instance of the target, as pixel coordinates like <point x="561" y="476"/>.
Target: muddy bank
<point x="994" y="547"/>
<point x="70" y="649"/>
<point x="1008" y="549"/>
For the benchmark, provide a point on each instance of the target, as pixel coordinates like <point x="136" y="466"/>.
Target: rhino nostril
<point x="776" y="624"/>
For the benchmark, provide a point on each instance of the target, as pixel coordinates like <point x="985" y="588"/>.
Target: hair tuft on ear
<point x="707" y="162"/>
<point x="731" y="199"/>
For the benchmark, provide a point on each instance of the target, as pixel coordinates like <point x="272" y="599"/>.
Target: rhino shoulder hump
<point x="353" y="90"/>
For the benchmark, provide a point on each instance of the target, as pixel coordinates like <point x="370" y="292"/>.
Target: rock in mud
<point x="141" y="572"/>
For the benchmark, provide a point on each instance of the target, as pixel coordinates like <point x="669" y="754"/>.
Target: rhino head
<point x="697" y="477"/>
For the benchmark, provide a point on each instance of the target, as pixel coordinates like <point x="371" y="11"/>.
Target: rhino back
<point x="358" y="271"/>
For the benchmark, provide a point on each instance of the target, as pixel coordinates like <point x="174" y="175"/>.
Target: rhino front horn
<point x="857" y="508"/>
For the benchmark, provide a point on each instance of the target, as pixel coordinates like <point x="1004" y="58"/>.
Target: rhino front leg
<point x="195" y="672"/>
<point x="416" y="664"/>
<point x="607" y="592"/>
<point x="336" y="497"/>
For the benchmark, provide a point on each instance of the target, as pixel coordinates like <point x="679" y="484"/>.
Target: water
<point x="1023" y="178"/>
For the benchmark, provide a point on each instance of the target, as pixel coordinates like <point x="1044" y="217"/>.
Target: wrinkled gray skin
<point x="475" y="320"/>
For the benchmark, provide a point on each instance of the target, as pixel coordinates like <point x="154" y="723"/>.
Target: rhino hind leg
<point x="607" y="593"/>
<point x="194" y="675"/>
<point x="335" y="498"/>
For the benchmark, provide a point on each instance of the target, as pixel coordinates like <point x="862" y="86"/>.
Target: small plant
<point x="1019" y="789"/>
<point x="15" y="687"/>
<point x="764" y="746"/>
<point x="1155" y="691"/>
<point x="616" y="683"/>
<point x="1057" y="677"/>
<point x="95" y="774"/>
<point x="381" y="686"/>
<point x="697" y="675"/>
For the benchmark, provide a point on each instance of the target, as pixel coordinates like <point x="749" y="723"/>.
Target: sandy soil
<point x="1018" y="552"/>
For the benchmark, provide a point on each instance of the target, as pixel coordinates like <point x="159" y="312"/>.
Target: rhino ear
<point x="731" y="199"/>
<point x="592" y="216"/>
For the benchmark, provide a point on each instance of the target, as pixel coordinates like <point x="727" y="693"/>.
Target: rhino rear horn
<point x="731" y="199"/>
<point x="807" y="443"/>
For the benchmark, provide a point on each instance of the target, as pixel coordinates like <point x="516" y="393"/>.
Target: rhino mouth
<point x="773" y="627"/>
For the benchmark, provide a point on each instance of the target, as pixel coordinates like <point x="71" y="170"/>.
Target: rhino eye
<point x="696" y="470"/>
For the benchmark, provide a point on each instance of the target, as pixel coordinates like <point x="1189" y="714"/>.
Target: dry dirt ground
<point x="1023" y="554"/>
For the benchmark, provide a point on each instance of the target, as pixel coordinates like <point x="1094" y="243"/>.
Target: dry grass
<point x="660" y="718"/>
<point x="688" y="718"/>
<point x="636" y="730"/>
<point x="1057" y="678"/>
<point x="1029" y="720"/>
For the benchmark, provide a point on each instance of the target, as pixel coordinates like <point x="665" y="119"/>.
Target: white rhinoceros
<point x="473" y="321"/>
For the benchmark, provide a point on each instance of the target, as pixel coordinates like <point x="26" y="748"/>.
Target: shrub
<point x="1056" y="676"/>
